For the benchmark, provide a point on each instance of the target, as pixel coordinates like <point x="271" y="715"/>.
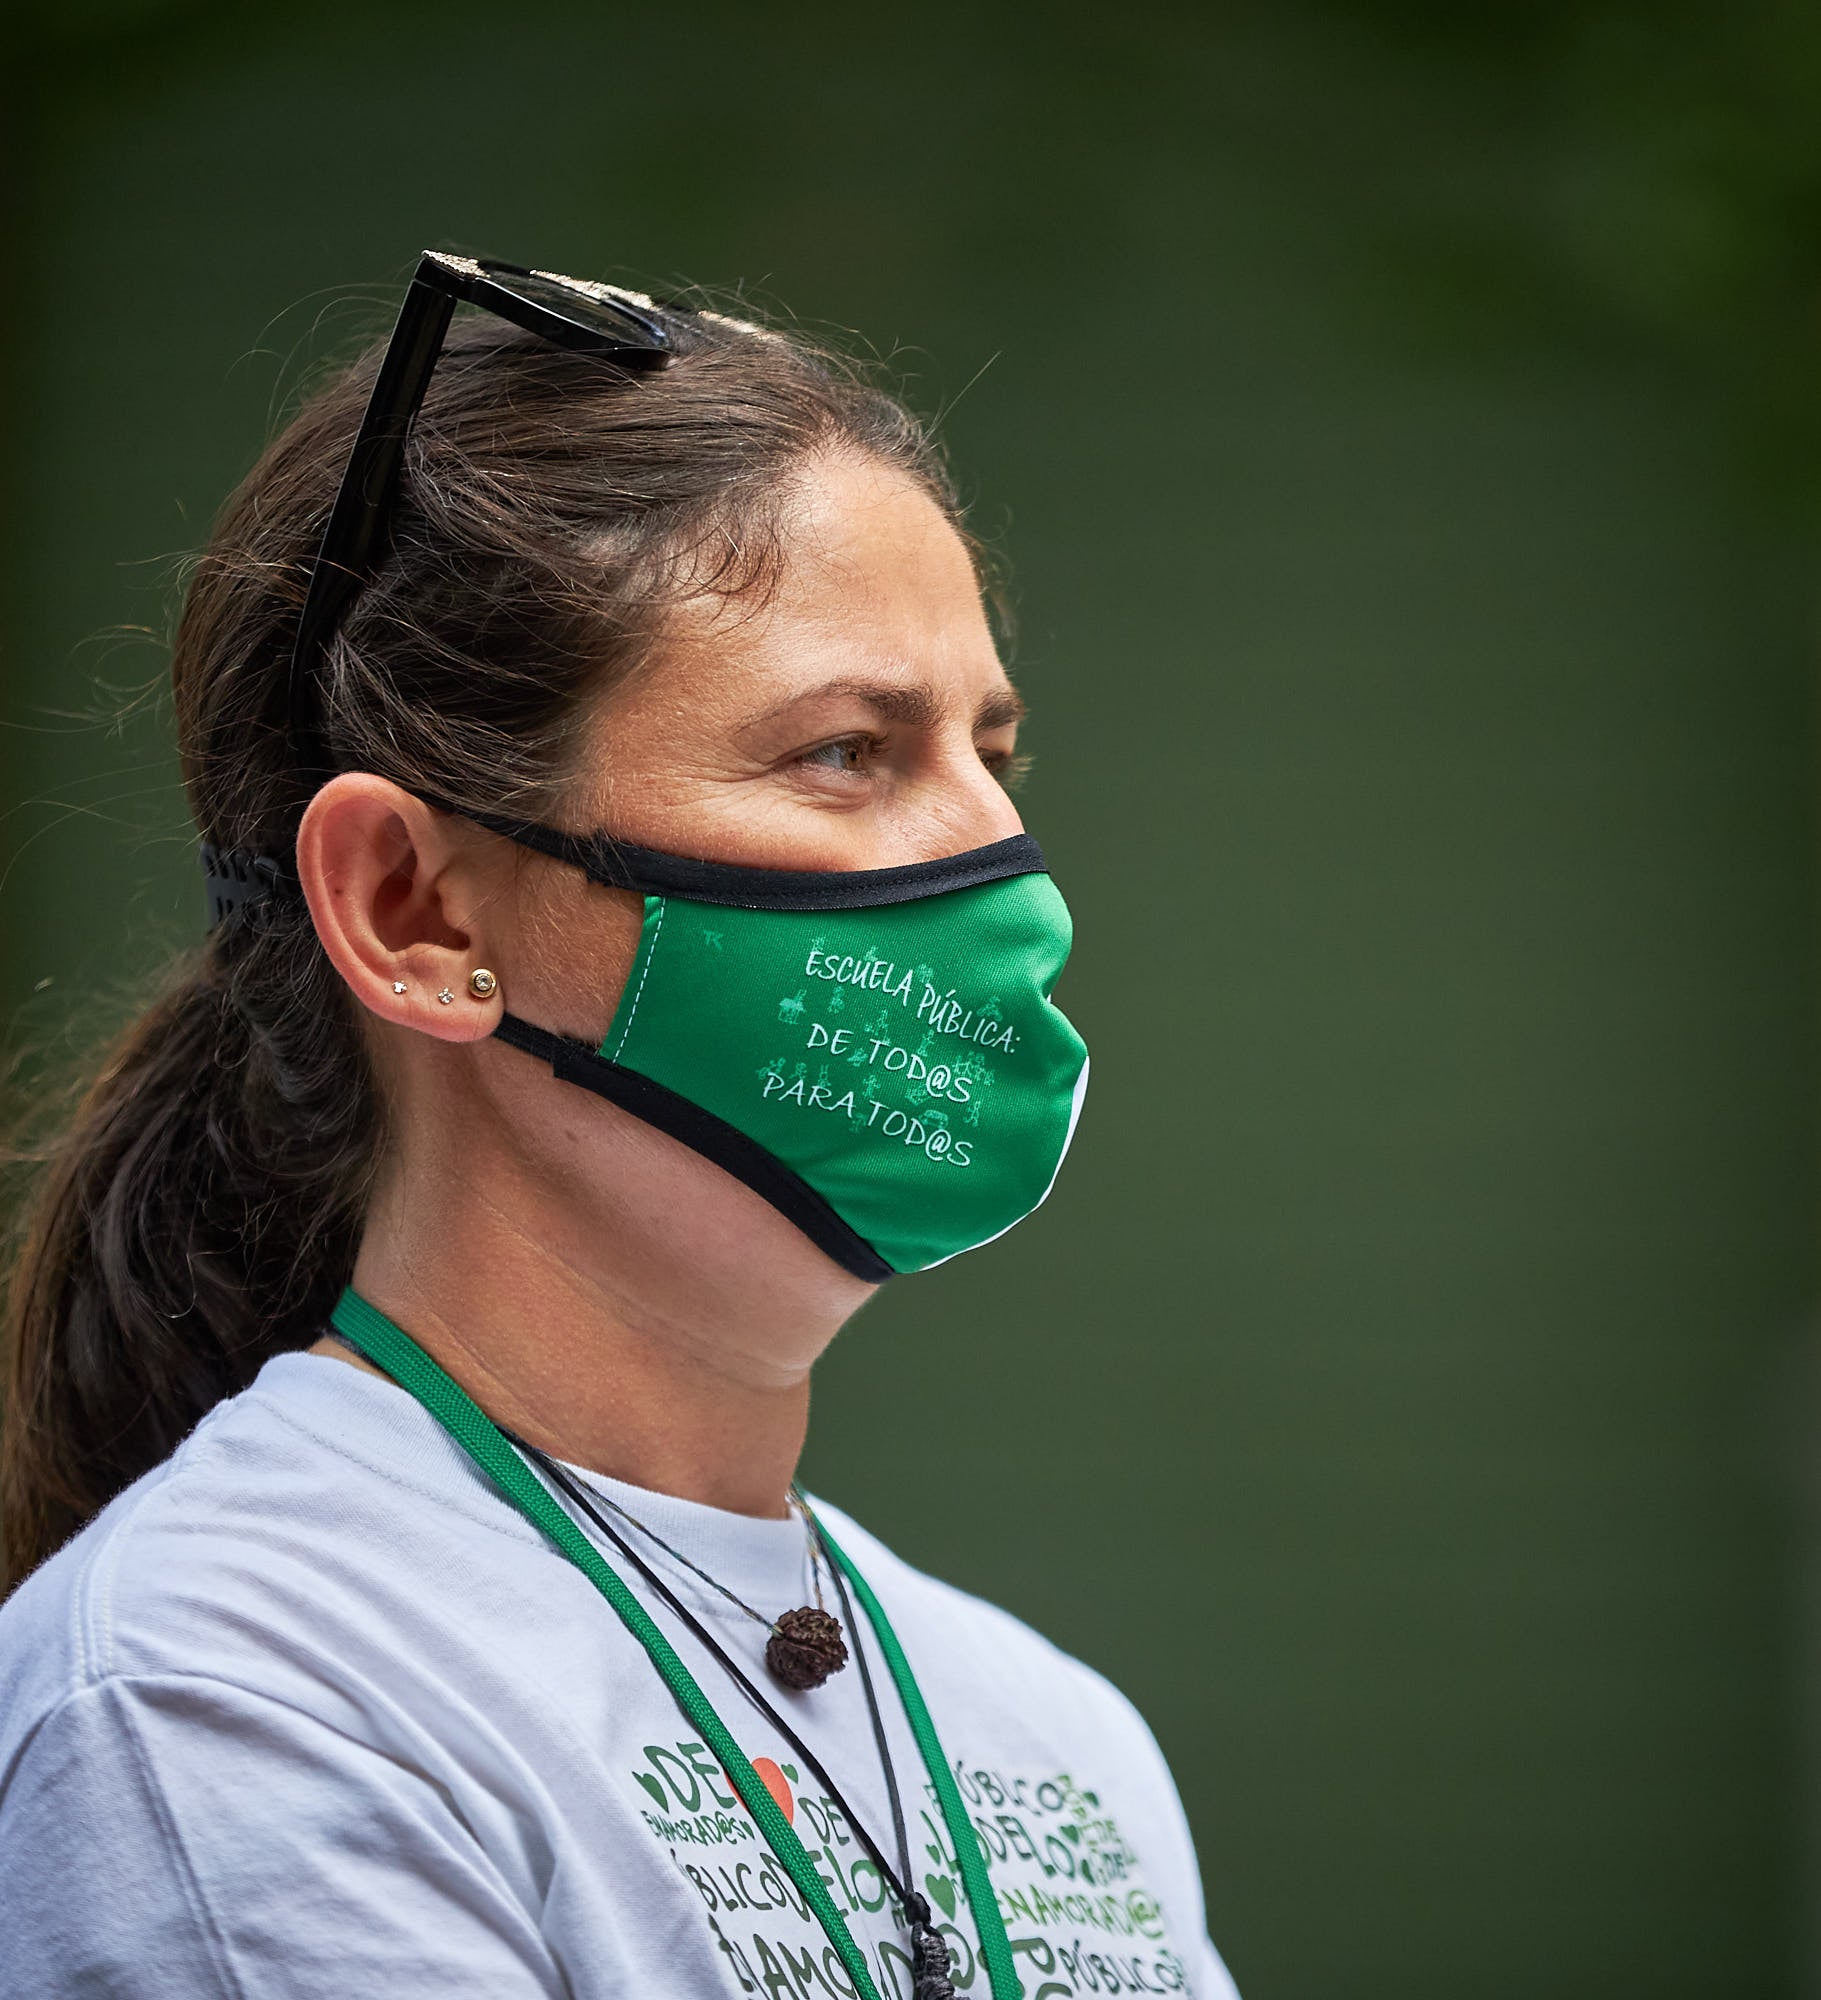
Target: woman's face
<point x="858" y="718"/>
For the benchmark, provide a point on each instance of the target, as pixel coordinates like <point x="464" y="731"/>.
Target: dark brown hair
<point x="202" y="1209"/>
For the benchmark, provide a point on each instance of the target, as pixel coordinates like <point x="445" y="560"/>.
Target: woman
<point x="635" y="725"/>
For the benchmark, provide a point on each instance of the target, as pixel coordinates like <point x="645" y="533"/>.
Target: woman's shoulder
<point x="283" y="1507"/>
<point x="63" y="1629"/>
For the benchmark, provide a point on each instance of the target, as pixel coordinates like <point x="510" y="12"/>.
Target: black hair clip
<point x="236" y="878"/>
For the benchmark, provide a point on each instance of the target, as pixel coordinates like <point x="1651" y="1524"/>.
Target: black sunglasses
<point x="623" y="327"/>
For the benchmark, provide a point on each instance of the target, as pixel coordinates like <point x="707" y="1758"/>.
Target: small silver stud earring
<point x="398" y="986"/>
<point x="446" y="997"/>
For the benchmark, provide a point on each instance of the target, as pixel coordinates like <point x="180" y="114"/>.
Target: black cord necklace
<point x="929" y="1951"/>
<point x="806" y="1645"/>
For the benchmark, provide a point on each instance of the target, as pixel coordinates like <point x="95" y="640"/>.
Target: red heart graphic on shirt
<point x="777" y="1785"/>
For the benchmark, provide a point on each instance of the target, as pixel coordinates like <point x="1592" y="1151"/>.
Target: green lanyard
<point x="465" y="1421"/>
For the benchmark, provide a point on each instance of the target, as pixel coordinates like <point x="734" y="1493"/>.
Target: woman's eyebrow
<point x="915" y="706"/>
<point x="1001" y="709"/>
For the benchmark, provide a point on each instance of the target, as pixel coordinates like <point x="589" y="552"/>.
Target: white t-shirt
<point x="312" y="1709"/>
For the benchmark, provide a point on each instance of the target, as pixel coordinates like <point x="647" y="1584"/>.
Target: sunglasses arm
<point x="357" y="521"/>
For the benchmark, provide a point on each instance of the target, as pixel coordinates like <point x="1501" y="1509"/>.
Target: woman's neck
<point x="632" y="1358"/>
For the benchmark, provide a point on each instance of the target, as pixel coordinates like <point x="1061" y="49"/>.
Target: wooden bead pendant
<point x="805" y="1647"/>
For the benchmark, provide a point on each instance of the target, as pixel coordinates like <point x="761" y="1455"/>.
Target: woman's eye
<point x="854" y="756"/>
<point x="846" y="753"/>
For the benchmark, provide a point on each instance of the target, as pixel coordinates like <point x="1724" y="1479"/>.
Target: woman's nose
<point x="970" y="806"/>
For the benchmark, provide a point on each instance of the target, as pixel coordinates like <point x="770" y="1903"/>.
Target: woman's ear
<point x="396" y="892"/>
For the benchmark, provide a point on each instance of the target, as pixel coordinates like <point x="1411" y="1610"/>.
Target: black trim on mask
<point x="618" y="864"/>
<point x="704" y="1133"/>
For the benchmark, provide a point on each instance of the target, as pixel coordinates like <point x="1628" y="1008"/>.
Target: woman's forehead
<point x="875" y="601"/>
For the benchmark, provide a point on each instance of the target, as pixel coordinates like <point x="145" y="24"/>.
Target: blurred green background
<point x="1402" y="422"/>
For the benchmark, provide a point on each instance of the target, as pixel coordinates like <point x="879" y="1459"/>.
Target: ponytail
<point x="199" y="1215"/>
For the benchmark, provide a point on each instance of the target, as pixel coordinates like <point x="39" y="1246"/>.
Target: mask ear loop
<point x="702" y="1132"/>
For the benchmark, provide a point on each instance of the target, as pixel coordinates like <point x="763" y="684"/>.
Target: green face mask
<point x="874" y="1052"/>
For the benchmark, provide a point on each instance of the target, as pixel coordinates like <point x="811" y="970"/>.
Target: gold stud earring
<point x="482" y="984"/>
